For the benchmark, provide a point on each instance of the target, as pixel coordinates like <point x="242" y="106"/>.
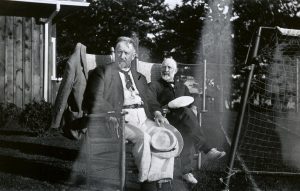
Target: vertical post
<point x="238" y="126"/>
<point x="221" y="71"/>
<point x="53" y="41"/>
<point x="46" y="61"/>
<point x="222" y="100"/>
<point x="200" y="118"/>
<point x="46" y="50"/>
<point x="123" y="153"/>
<point x="204" y="87"/>
<point x="203" y="94"/>
<point x="257" y="43"/>
<point x="297" y="86"/>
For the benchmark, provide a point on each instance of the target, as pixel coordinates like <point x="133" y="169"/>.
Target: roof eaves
<point x="54" y="2"/>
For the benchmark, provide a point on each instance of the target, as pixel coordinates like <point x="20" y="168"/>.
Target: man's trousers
<point x="194" y="139"/>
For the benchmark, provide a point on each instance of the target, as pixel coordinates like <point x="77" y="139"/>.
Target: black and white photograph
<point x="150" y="95"/>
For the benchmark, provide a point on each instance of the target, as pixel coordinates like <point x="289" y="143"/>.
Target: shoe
<point x="83" y="131"/>
<point x="189" y="177"/>
<point x="72" y="134"/>
<point x="215" y="154"/>
<point x="76" y="134"/>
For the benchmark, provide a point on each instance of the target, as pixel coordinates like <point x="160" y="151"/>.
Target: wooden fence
<point x="22" y="60"/>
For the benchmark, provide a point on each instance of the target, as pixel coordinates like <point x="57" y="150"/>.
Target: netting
<point x="270" y="139"/>
<point x="217" y="83"/>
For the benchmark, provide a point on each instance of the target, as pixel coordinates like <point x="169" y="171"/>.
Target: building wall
<point x="22" y="60"/>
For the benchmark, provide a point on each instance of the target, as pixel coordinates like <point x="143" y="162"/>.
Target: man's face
<point x="124" y="54"/>
<point x="168" y="70"/>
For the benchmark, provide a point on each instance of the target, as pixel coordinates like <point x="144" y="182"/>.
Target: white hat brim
<point x="178" y="147"/>
<point x="181" y="101"/>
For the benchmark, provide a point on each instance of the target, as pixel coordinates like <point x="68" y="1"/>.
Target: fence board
<point x="49" y="63"/>
<point x="18" y="62"/>
<point x="42" y="42"/>
<point x="27" y="48"/>
<point x="21" y="60"/>
<point x="9" y="61"/>
<point x="36" y="62"/>
<point x="2" y="57"/>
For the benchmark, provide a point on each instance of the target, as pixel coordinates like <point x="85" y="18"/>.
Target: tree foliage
<point x="250" y="16"/>
<point x="161" y="29"/>
<point x="181" y="32"/>
<point x="103" y="21"/>
<point x="255" y="13"/>
<point x="99" y="25"/>
<point x="177" y="30"/>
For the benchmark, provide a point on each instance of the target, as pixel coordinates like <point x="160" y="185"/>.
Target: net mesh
<point x="270" y="139"/>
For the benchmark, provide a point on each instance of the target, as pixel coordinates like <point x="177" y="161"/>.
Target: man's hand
<point x="159" y="118"/>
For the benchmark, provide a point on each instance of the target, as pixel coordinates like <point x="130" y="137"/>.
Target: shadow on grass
<point x="18" y="133"/>
<point x="34" y="169"/>
<point x="45" y="150"/>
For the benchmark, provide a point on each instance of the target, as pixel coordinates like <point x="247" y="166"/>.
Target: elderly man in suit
<point x="184" y="119"/>
<point x="118" y="87"/>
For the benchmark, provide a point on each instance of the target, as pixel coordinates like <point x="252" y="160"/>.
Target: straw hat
<point x="166" y="142"/>
<point x="181" y="101"/>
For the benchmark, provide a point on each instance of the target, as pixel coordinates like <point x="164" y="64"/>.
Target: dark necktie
<point x="128" y="80"/>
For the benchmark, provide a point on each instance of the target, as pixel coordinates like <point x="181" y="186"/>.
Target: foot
<point x="76" y="134"/>
<point x="189" y="177"/>
<point x="73" y="134"/>
<point x="215" y="154"/>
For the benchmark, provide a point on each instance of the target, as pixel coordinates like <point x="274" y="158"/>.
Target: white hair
<point x="128" y="41"/>
<point x="169" y="60"/>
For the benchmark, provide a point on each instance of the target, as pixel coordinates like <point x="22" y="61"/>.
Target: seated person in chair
<point x="119" y="87"/>
<point x="183" y="118"/>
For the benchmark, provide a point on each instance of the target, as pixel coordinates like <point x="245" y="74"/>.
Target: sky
<point x="172" y="3"/>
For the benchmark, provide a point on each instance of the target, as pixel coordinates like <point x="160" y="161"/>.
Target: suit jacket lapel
<point x="116" y="80"/>
<point x="113" y="89"/>
<point x="136" y="77"/>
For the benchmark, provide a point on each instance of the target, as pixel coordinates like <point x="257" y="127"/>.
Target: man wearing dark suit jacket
<point x="118" y="87"/>
<point x="184" y="118"/>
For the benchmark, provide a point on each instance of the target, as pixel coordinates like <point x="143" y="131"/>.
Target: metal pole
<point x="221" y="71"/>
<point x="297" y="86"/>
<point x="258" y="40"/>
<point x="204" y="87"/>
<point x="237" y="132"/>
<point x="200" y="119"/>
<point x="256" y="43"/>
<point x="123" y="153"/>
<point x="239" y="123"/>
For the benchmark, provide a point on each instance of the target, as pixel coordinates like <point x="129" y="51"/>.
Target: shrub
<point x="37" y="116"/>
<point x="8" y="112"/>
